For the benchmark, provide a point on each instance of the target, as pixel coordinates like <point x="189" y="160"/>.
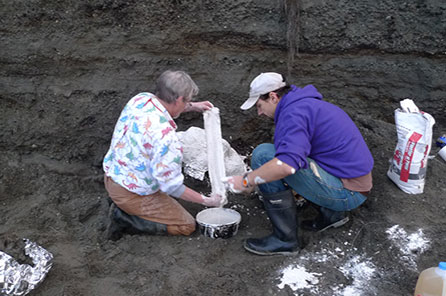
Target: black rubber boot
<point x="281" y="210"/>
<point x="121" y="222"/>
<point x="326" y="219"/>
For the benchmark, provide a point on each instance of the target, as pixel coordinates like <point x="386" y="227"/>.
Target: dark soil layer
<point x="68" y="67"/>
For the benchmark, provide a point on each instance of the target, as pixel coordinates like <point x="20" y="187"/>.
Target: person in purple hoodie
<point x="318" y="152"/>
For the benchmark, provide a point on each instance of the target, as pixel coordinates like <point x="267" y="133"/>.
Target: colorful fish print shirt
<point x="145" y="154"/>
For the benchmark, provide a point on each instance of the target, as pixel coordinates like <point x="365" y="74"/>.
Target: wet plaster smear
<point x="216" y="165"/>
<point x="362" y="274"/>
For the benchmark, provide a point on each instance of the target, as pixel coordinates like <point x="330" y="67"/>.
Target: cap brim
<point x="249" y="103"/>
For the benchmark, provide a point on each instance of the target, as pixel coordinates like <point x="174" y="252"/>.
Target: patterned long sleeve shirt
<point x="145" y="154"/>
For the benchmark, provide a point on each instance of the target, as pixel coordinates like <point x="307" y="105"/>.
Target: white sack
<point x="409" y="163"/>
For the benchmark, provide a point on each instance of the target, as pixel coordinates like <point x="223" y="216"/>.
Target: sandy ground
<point x="68" y="67"/>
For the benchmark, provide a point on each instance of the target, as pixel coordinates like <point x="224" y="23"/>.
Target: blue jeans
<point x="313" y="183"/>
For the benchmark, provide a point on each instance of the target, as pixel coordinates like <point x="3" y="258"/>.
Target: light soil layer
<point x="68" y="67"/>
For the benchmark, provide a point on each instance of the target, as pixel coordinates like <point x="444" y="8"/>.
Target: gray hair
<point x="173" y="84"/>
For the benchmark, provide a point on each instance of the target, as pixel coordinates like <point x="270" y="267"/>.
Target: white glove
<point x="215" y="200"/>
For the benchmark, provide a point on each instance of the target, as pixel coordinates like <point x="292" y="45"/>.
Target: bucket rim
<point x="236" y="220"/>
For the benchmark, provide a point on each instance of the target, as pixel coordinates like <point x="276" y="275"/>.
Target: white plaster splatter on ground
<point x="239" y="207"/>
<point x="361" y="271"/>
<point x="358" y="269"/>
<point x="297" y="278"/>
<point x="248" y="211"/>
<point x="410" y="245"/>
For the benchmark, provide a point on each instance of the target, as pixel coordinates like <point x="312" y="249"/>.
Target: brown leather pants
<point x="158" y="207"/>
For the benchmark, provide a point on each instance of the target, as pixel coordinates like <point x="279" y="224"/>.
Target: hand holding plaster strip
<point x="214" y="200"/>
<point x="235" y="184"/>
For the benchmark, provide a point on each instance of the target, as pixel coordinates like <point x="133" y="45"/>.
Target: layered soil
<point x="68" y="67"/>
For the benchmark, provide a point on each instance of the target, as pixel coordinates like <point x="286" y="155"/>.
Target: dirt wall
<point x="70" y="66"/>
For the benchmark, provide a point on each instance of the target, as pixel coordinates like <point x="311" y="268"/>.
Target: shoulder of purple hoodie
<point x="334" y="141"/>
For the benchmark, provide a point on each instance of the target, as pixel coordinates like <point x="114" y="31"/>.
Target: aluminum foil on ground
<point x="20" y="279"/>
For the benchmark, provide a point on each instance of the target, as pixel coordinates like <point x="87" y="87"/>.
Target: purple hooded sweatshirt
<point x="307" y="126"/>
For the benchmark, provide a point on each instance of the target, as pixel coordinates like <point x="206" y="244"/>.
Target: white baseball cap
<point x="262" y="84"/>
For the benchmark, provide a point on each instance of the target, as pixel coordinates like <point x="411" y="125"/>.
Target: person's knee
<point x="262" y="154"/>
<point x="185" y="230"/>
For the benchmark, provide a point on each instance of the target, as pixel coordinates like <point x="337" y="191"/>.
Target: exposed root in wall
<point x="291" y="9"/>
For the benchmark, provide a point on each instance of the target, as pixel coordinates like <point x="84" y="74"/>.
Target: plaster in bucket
<point x="218" y="222"/>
